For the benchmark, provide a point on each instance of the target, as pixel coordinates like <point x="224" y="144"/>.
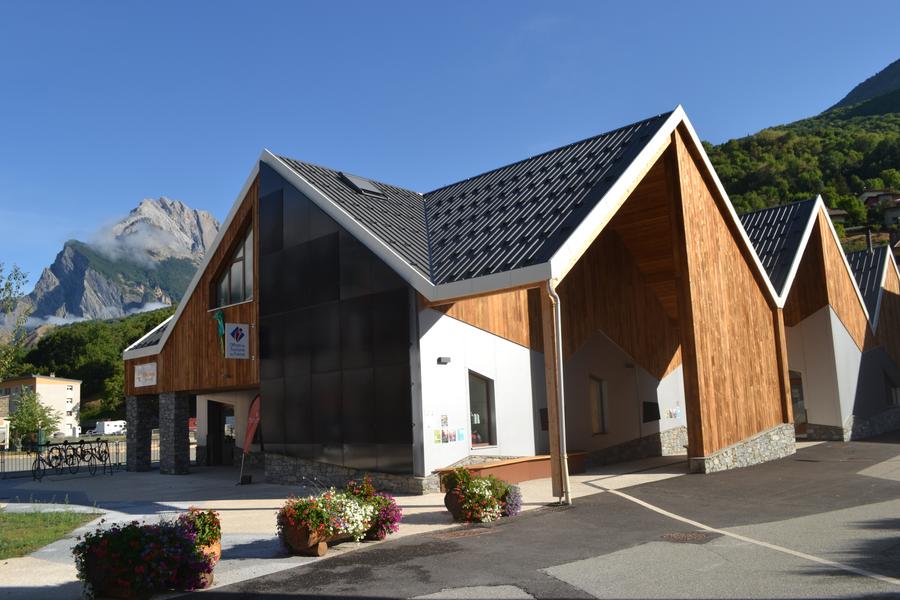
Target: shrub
<point x="140" y="558"/>
<point x="387" y="515"/>
<point x="330" y="513"/>
<point x="204" y="523"/>
<point x="512" y="502"/>
<point x="483" y="499"/>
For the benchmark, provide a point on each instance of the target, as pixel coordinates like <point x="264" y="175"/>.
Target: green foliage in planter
<point x="204" y="523"/>
<point x="482" y="499"/>
<point x="140" y="558"/>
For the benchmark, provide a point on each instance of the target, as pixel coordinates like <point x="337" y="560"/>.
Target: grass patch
<point x="23" y="533"/>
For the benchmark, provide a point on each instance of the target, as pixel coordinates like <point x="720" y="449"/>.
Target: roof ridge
<point x="765" y="208"/>
<point x="550" y="151"/>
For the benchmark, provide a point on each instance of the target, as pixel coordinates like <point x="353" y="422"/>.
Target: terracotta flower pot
<point x="214" y="550"/>
<point x="453" y="504"/>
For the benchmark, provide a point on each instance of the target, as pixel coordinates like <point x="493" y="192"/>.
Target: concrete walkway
<point x="250" y="547"/>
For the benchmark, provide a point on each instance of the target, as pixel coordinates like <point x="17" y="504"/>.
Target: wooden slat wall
<point x="513" y="315"/>
<point x="606" y="292"/>
<point x="888" y="333"/>
<point x="809" y="291"/>
<point x="841" y="292"/>
<point x="738" y="379"/>
<point x="192" y="360"/>
<point x="644" y="225"/>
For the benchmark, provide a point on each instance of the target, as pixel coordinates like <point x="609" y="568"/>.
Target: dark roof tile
<point x="867" y="268"/>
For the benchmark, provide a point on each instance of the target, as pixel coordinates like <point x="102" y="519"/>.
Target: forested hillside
<point x="839" y="154"/>
<point x="92" y="352"/>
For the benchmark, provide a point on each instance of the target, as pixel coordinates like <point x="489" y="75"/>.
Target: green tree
<point x="114" y="389"/>
<point x="12" y="318"/>
<point x="31" y="416"/>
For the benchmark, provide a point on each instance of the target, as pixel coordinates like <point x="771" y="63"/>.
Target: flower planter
<point x="310" y="543"/>
<point x="214" y="550"/>
<point x="453" y="504"/>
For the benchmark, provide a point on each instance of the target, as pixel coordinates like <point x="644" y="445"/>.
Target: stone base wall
<point x="139" y="412"/>
<point x="298" y="471"/>
<point x="670" y="442"/>
<point x="826" y="433"/>
<point x="861" y="428"/>
<point x="254" y="460"/>
<point x="771" y="444"/>
<point x="174" y="438"/>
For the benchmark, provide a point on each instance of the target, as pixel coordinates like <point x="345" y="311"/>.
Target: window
<point x="893" y="392"/>
<point x="651" y="412"/>
<point x="481" y="407"/>
<point x="68" y="413"/>
<point x="69" y="388"/>
<point x="597" y="401"/>
<point x="235" y="284"/>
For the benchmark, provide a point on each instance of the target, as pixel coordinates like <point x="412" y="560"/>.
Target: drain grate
<point x="463" y="533"/>
<point x="689" y="537"/>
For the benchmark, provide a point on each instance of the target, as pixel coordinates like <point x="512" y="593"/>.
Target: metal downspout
<point x="560" y="394"/>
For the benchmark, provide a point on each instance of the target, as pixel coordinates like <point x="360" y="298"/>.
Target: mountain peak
<point x="884" y="82"/>
<point x="146" y="259"/>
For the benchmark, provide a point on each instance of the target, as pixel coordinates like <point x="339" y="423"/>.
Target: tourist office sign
<point x="145" y="374"/>
<point x="237" y="340"/>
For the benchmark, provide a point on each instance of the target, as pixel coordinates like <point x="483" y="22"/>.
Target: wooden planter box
<point x="517" y="470"/>
<point x="309" y="543"/>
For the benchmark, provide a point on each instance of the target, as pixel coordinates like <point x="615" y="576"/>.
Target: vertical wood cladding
<point x="606" y="292"/>
<point x="841" y="292"/>
<point x="334" y="339"/>
<point x="888" y="332"/>
<point x="809" y="290"/>
<point x="192" y="360"/>
<point x="737" y="371"/>
<point x="513" y="315"/>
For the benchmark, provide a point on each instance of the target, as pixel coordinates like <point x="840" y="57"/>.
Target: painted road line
<point x="803" y="555"/>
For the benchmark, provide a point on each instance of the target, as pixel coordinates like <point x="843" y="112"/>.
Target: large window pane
<point x="222" y="298"/>
<point x="248" y="266"/>
<point x="481" y="409"/>
<point x="597" y="402"/>
<point x="237" y="281"/>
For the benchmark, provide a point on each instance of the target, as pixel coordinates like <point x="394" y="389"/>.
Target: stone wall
<point x="860" y="428"/>
<point x="139" y="414"/>
<point x="298" y="471"/>
<point x="777" y="442"/>
<point x="4" y="406"/>
<point x="670" y="442"/>
<point x="174" y="438"/>
<point x="827" y="433"/>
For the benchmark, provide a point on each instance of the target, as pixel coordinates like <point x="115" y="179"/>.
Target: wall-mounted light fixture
<point x="443" y="360"/>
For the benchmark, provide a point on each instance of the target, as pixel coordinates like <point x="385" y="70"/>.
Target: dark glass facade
<point x="334" y="339"/>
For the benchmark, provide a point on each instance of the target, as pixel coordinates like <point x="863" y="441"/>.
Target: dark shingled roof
<point x="776" y="234"/>
<point x="152" y="339"/>
<point x="398" y="219"/>
<point x="507" y="218"/>
<point x="867" y="268"/>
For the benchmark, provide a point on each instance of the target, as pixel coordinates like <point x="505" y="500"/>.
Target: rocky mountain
<point x="885" y="81"/>
<point x="145" y="260"/>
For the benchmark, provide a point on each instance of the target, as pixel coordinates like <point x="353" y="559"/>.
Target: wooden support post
<point x="690" y="369"/>
<point x="787" y="407"/>
<point x="551" y="373"/>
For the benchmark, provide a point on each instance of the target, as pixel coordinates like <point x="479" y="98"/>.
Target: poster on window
<point x="237" y="340"/>
<point x="145" y="374"/>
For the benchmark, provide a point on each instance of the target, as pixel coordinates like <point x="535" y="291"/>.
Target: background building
<point x="59" y="394"/>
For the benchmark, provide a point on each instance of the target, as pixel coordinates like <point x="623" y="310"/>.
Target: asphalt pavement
<point x="824" y="523"/>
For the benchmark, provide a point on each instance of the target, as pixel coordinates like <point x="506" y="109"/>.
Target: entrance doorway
<point x="799" y="407"/>
<point x="220" y="435"/>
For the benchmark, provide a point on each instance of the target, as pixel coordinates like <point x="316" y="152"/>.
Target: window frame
<point x="491" y="410"/>
<point x="238" y="254"/>
<point x="601" y="428"/>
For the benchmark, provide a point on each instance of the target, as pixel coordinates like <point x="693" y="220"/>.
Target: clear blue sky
<point x="104" y="104"/>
